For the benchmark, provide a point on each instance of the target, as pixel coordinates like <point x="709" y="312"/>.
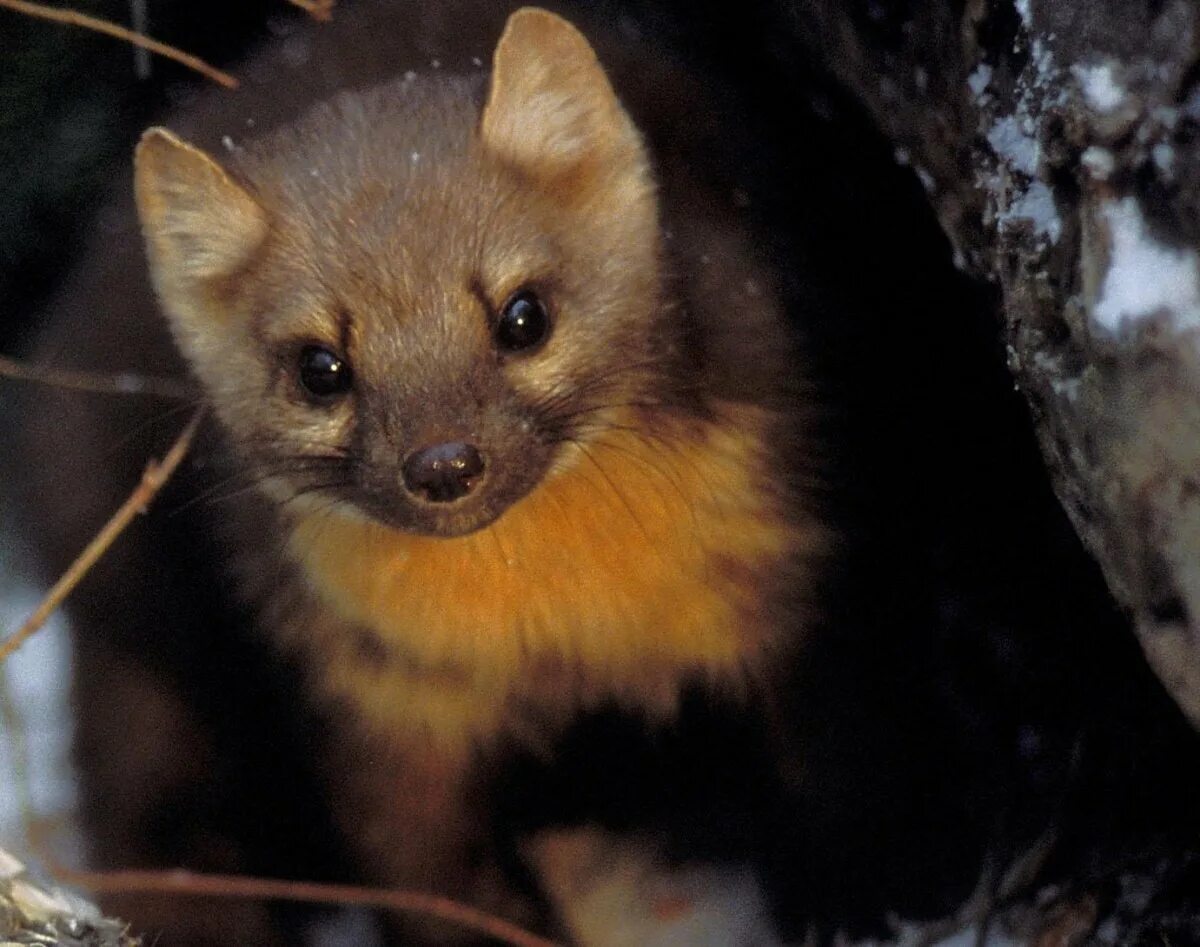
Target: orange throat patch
<point x="642" y="564"/>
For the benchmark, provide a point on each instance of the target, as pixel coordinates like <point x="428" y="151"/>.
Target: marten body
<point x="355" y="293"/>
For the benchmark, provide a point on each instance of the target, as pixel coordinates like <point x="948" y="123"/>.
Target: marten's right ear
<point x="198" y="222"/>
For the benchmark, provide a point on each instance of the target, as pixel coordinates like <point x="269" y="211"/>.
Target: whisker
<point x="287" y="469"/>
<point x="661" y="475"/>
<point x="616" y="491"/>
<point x="653" y="440"/>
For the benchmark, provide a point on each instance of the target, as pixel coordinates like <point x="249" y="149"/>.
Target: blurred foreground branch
<point x="75" y="18"/>
<point x="156" y="474"/>
<point x="317" y="9"/>
<point x="180" y="882"/>
<point x="122" y="384"/>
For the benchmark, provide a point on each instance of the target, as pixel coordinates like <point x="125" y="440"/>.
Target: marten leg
<point x="418" y="820"/>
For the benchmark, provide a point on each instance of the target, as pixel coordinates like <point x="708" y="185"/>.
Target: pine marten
<point x="507" y="428"/>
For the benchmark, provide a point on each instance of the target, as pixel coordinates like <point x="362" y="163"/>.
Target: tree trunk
<point x="1059" y="143"/>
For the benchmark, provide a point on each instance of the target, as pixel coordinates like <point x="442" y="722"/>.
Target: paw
<point x="615" y="891"/>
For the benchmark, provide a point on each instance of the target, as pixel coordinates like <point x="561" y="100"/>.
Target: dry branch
<point x="75" y="18"/>
<point x="121" y="384"/>
<point x="317" y="9"/>
<point x="155" y="476"/>
<point x="181" y="882"/>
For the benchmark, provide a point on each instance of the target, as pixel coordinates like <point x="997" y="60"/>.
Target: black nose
<point x="443" y="472"/>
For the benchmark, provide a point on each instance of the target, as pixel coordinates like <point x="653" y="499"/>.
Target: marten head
<point x="421" y="300"/>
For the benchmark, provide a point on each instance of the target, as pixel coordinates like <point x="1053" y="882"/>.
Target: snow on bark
<point x="1060" y="143"/>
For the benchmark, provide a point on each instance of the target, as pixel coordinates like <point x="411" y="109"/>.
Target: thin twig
<point x="122" y="384"/>
<point x="75" y="18"/>
<point x="317" y="9"/>
<point x="156" y="474"/>
<point x="139" y="19"/>
<point x="182" y="882"/>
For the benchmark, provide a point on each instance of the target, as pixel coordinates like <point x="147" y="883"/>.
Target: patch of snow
<point x="615" y="891"/>
<point x="1044" y="71"/>
<point x="1100" y="87"/>
<point x="1164" y="157"/>
<point x="1019" y="149"/>
<point x="9" y="866"/>
<point x="927" y="181"/>
<point x="1069" y="388"/>
<point x="37" y="678"/>
<point x="1036" y="205"/>
<point x="980" y="78"/>
<point x="1024" y="12"/>
<point x="1098" y="162"/>
<point x="1144" y="277"/>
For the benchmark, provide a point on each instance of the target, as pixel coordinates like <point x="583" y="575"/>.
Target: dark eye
<point x="523" y="322"/>
<point x="322" y="373"/>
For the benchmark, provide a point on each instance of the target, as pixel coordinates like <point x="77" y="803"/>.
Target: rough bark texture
<point x="1059" y="143"/>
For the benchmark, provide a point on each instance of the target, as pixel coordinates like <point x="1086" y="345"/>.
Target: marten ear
<point x="198" y="222"/>
<point x="550" y="106"/>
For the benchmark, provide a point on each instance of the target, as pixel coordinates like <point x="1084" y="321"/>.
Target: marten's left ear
<point x="550" y="107"/>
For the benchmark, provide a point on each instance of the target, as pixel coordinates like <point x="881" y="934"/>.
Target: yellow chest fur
<point x="640" y="564"/>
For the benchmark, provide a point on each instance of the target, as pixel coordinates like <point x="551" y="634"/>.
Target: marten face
<point x="432" y="344"/>
<point x="415" y="309"/>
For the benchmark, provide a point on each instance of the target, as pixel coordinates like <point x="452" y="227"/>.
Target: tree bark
<point x="1059" y="143"/>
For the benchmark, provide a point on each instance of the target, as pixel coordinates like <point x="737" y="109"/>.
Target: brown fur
<point x="642" y="526"/>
